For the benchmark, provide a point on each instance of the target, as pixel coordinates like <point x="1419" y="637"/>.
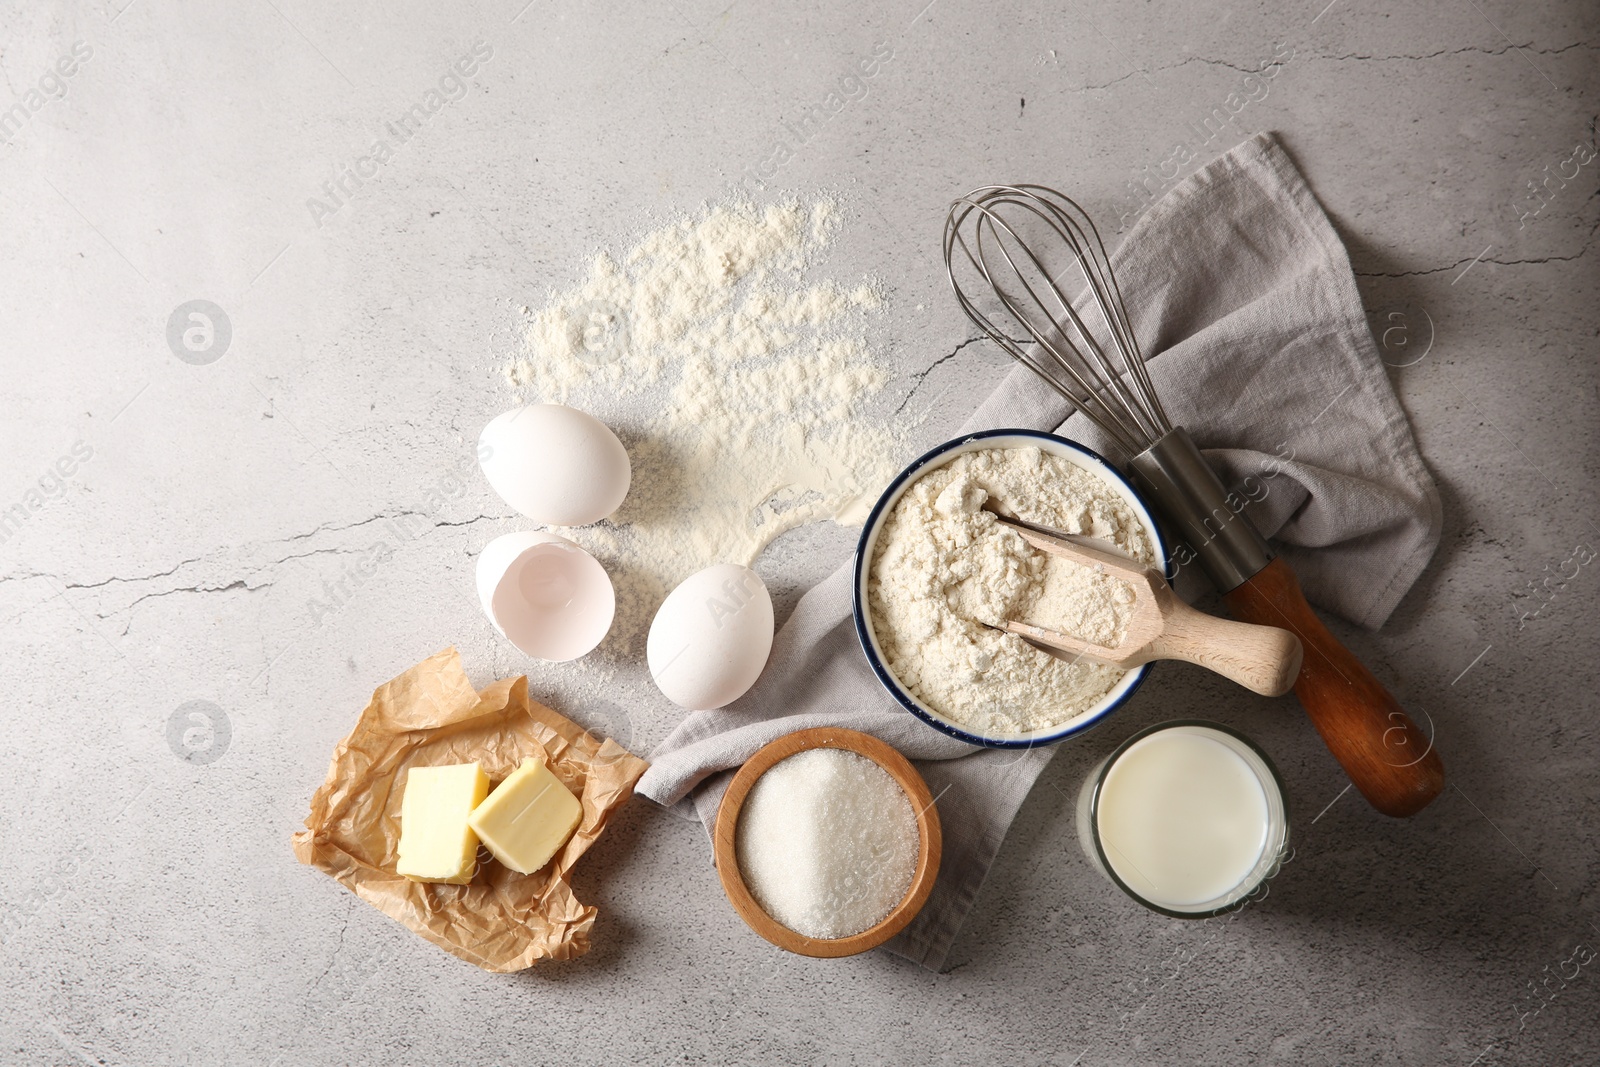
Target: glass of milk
<point x="1186" y="817"/>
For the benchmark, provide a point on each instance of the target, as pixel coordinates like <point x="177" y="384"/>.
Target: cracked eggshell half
<point x="545" y="595"/>
<point x="556" y="465"/>
<point x="711" y="637"/>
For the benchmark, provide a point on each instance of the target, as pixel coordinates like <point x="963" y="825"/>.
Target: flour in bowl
<point x="945" y="572"/>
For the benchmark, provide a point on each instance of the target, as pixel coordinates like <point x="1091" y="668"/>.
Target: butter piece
<point x="527" y="817"/>
<point x="436" y="844"/>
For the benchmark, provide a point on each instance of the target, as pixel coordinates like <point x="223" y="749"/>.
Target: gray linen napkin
<point x="1241" y="293"/>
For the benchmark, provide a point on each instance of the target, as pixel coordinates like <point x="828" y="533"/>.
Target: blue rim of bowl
<point x="919" y="466"/>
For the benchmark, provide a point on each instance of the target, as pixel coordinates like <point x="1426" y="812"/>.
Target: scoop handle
<point x="1263" y="659"/>
<point x="1380" y="748"/>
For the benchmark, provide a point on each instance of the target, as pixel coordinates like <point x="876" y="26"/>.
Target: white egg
<point x="555" y="464"/>
<point x="711" y="637"/>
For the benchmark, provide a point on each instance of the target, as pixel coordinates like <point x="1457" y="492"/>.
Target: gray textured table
<point x="179" y="523"/>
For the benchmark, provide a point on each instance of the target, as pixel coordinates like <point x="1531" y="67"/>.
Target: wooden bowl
<point x="922" y="878"/>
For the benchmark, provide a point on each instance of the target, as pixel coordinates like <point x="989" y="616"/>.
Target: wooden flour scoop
<point x="1263" y="659"/>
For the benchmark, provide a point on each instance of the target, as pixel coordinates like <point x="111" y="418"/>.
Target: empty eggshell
<point x="555" y="464"/>
<point x="545" y="595"/>
<point x="710" y="638"/>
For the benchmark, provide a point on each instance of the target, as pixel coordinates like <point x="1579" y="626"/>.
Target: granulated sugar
<point x="945" y="572"/>
<point x="827" y="842"/>
<point x="740" y="383"/>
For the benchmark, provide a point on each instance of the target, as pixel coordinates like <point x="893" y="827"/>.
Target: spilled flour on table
<point x="739" y="382"/>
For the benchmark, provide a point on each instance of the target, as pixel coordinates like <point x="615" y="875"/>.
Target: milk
<point x="1188" y="817"/>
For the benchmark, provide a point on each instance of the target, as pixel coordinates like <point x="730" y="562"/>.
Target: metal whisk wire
<point x="1102" y="373"/>
<point x="1116" y="394"/>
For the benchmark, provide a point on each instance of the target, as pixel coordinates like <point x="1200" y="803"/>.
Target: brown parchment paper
<point x="430" y="715"/>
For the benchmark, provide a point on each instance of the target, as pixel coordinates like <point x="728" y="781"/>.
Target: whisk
<point x="1013" y="246"/>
